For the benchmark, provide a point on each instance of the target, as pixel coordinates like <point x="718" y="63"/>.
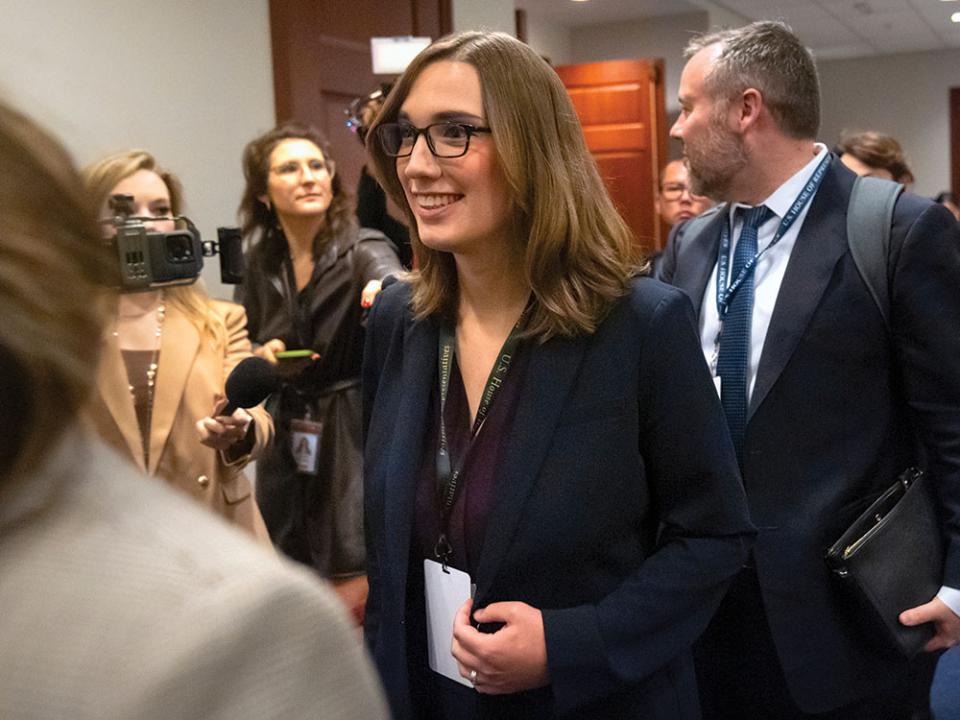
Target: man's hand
<point x="510" y="660"/>
<point x="943" y="618"/>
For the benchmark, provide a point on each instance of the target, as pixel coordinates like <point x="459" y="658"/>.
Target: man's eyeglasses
<point x="673" y="191"/>
<point x="445" y="139"/>
<point x="295" y="167"/>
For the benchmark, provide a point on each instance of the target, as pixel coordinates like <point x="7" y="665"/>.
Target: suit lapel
<point x="403" y="472"/>
<point x="550" y="375"/>
<point x="114" y="388"/>
<point x="179" y="344"/>
<point x="696" y="259"/>
<point x="820" y="245"/>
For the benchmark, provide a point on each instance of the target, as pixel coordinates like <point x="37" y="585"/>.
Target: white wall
<point x="661" y="37"/>
<point x="549" y="39"/>
<point x="905" y="95"/>
<point x="189" y="80"/>
<point x="485" y="15"/>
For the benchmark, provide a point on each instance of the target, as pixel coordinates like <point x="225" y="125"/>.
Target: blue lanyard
<point x="726" y="292"/>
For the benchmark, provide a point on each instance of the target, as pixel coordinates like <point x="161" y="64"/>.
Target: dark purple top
<point x="474" y="499"/>
<point x="433" y="696"/>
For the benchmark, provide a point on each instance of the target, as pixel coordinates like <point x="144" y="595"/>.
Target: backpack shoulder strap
<point x="869" y="219"/>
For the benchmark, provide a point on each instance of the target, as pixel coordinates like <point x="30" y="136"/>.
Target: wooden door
<point x="621" y="106"/>
<point x="321" y="61"/>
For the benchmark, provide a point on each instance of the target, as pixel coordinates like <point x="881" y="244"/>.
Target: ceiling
<point x="831" y="28"/>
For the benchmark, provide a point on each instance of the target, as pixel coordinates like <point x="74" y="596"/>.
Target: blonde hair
<point x="103" y="176"/>
<point x="52" y="269"/>
<point x="578" y="253"/>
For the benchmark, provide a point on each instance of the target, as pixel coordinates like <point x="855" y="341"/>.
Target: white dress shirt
<point x="768" y="273"/>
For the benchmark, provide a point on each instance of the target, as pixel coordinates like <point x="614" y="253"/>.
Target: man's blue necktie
<point x="734" y="355"/>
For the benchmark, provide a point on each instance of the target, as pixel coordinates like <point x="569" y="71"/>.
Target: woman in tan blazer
<point x="164" y="363"/>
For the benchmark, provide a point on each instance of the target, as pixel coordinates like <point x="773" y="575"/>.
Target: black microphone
<point x="251" y="381"/>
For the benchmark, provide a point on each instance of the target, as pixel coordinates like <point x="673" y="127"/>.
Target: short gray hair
<point x="767" y="56"/>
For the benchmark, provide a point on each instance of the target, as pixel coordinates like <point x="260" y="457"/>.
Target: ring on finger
<point x="473" y="676"/>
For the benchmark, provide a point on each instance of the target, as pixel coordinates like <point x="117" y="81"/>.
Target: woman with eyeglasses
<point x="310" y="275"/>
<point x="553" y="505"/>
<point x="165" y="359"/>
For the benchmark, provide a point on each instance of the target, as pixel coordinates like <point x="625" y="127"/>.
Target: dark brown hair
<point x="259" y="222"/>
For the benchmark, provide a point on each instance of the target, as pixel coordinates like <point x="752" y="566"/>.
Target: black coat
<point x="618" y="510"/>
<point x="317" y="520"/>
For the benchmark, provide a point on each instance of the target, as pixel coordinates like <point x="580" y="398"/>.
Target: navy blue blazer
<point x="835" y="415"/>
<point x="618" y="508"/>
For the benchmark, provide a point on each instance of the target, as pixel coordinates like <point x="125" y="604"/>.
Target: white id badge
<point x="446" y="591"/>
<point x="305" y="444"/>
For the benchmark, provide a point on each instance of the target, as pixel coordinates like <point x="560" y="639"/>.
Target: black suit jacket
<point x="618" y="508"/>
<point x="835" y="415"/>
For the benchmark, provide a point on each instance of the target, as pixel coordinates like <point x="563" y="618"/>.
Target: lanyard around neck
<point x="726" y="289"/>
<point x="448" y="476"/>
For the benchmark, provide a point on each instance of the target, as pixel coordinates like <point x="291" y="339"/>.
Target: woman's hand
<point x="510" y="660"/>
<point x="369" y="293"/>
<point x="268" y="351"/>
<point x="221" y="432"/>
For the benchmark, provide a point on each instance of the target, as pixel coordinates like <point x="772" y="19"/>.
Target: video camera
<point x="151" y="259"/>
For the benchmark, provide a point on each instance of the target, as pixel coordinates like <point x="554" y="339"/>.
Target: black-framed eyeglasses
<point x="673" y="191"/>
<point x="444" y="139"/>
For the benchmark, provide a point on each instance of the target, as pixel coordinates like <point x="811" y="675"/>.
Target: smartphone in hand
<point x="291" y="363"/>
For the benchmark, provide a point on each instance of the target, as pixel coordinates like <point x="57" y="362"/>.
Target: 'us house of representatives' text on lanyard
<point x="727" y="289"/>
<point x="448" y="477"/>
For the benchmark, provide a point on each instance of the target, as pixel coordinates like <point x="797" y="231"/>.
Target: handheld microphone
<point x="251" y="381"/>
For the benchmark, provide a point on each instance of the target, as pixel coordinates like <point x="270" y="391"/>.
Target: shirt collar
<point x="784" y="196"/>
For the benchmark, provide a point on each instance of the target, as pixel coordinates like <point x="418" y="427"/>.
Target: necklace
<point x="151" y="378"/>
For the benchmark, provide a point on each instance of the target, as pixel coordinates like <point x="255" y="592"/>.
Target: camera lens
<point x="179" y="247"/>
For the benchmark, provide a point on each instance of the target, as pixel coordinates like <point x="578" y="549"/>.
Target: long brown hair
<point x="52" y="270"/>
<point x="104" y="175"/>
<point x="258" y="221"/>
<point x="578" y="251"/>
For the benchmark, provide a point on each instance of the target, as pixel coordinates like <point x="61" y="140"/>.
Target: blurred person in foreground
<point x="166" y="356"/>
<point x="826" y="404"/>
<point x="539" y="422"/>
<point x="311" y="273"/>
<point x="120" y="597"/>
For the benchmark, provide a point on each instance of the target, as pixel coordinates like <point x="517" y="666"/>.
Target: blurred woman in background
<point x="874" y="154"/>
<point x="310" y="275"/>
<point x="165" y="360"/>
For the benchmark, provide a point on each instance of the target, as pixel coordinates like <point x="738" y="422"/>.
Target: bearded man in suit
<point x="826" y="404"/>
